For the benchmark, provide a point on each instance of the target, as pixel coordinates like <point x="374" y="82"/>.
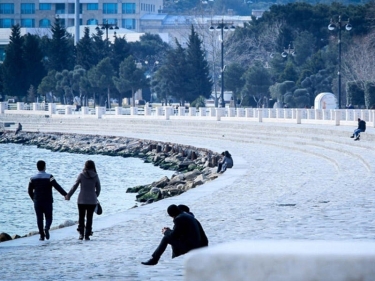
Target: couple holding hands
<point x="40" y="191"/>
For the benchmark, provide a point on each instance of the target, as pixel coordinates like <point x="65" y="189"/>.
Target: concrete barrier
<point x="270" y="260"/>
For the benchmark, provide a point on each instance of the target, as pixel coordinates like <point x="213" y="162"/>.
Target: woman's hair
<point x="90" y="165"/>
<point x="227" y="154"/>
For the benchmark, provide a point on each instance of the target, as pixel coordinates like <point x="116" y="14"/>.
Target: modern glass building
<point x="41" y="13"/>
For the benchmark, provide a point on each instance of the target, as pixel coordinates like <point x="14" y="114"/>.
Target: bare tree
<point x="359" y="60"/>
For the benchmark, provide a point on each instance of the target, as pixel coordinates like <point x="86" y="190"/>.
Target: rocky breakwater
<point x="194" y="166"/>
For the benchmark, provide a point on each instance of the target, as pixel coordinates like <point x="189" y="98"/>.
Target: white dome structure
<point x="325" y="101"/>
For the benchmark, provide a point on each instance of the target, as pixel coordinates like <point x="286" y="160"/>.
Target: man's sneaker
<point x="46" y="232"/>
<point x="87" y="238"/>
<point x="151" y="261"/>
<point x="352" y="136"/>
<point x="80" y="237"/>
<point x="357" y="138"/>
<point x="41" y="238"/>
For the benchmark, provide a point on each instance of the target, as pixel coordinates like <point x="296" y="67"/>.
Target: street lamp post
<point x="332" y="26"/>
<point x="105" y="25"/>
<point x="289" y="51"/>
<point x="222" y="26"/>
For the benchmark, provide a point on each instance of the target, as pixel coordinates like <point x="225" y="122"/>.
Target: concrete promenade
<point x="289" y="181"/>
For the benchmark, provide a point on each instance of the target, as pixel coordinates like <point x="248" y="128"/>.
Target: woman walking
<point x="87" y="198"/>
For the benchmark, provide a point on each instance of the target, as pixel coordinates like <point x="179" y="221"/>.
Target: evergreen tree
<point x="173" y="79"/>
<point x="13" y="66"/>
<point x="120" y="50"/>
<point x="200" y="83"/>
<point x="60" y="54"/>
<point x="99" y="46"/>
<point x="33" y="60"/>
<point x="131" y="78"/>
<point x="85" y="54"/>
<point x="257" y="83"/>
<point x="101" y="78"/>
<point x="48" y="85"/>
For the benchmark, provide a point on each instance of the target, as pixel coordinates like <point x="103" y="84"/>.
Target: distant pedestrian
<point x="184" y="236"/>
<point x="89" y="181"/>
<point x="19" y="128"/>
<point x="40" y="191"/>
<point x="361" y="128"/>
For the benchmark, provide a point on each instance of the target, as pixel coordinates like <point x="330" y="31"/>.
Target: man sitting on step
<point x="361" y="128"/>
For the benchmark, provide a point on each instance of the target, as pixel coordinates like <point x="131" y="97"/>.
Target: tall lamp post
<point x="105" y="25"/>
<point x="332" y="26"/>
<point x="222" y="26"/>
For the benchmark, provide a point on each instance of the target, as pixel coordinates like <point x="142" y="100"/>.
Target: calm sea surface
<point x="18" y="164"/>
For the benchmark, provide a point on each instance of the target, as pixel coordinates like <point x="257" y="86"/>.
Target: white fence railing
<point x="288" y="115"/>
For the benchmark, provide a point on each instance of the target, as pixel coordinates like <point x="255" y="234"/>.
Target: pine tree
<point x="60" y="54"/>
<point x="13" y="66"/>
<point x="85" y="54"/>
<point x="33" y="61"/>
<point x="198" y="69"/>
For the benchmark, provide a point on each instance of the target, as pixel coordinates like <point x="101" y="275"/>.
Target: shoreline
<point x="193" y="166"/>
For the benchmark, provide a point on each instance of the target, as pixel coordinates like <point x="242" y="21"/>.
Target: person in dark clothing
<point x="204" y="239"/>
<point x="226" y="162"/>
<point x="19" y="128"/>
<point x="361" y="128"/>
<point x="89" y="181"/>
<point x="184" y="236"/>
<point x="40" y="191"/>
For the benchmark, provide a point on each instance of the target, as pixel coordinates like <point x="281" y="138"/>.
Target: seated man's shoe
<point x="41" y="238"/>
<point x="151" y="261"/>
<point x="46" y="232"/>
<point x="352" y="136"/>
<point x="357" y="138"/>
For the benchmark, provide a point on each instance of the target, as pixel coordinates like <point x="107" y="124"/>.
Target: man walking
<point x="184" y="237"/>
<point x="361" y="128"/>
<point x="40" y="191"/>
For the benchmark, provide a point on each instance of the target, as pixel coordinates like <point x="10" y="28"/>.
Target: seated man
<point x="184" y="236"/>
<point x="361" y="128"/>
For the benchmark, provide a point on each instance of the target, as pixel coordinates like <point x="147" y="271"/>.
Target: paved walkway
<point x="288" y="182"/>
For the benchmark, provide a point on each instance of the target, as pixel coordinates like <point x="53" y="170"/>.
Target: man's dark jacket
<point x="186" y="233"/>
<point x="362" y="125"/>
<point x="40" y="188"/>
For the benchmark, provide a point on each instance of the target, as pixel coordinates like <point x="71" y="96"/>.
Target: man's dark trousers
<point x="41" y="210"/>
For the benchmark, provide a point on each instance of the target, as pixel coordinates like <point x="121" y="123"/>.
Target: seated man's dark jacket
<point x="186" y="232"/>
<point x="362" y="125"/>
<point x="40" y="188"/>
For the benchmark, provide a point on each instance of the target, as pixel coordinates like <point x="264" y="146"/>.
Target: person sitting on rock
<point x="226" y="162"/>
<point x="19" y="128"/>
<point x="184" y="236"/>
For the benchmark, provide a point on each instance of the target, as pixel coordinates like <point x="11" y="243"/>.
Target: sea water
<point x="18" y="164"/>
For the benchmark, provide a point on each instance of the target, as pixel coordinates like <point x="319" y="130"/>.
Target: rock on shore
<point x="194" y="166"/>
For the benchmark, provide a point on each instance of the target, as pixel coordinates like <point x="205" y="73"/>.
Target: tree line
<point x="255" y="71"/>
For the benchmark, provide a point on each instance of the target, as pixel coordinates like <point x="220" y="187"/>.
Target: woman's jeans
<point x="85" y="210"/>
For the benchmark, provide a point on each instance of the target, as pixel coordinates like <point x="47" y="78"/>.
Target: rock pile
<point x="193" y="166"/>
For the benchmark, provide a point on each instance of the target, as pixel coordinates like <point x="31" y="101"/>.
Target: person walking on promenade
<point x="361" y="128"/>
<point x="225" y="162"/>
<point x="184" y="236"/>
<point x="40" y="191"/>
<point x="89" y="181"/>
